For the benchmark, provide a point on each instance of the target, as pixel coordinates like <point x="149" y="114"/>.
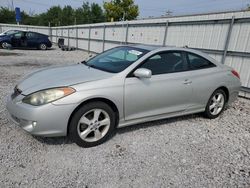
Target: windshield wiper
<point x="95" y="67"/>
<point x="85" y="63"/>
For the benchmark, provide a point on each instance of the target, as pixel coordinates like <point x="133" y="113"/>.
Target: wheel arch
<point x="225" y="89"/>
<point x="97" y="99"/>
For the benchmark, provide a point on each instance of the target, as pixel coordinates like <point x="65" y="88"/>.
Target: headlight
<point x="47" y="96"/>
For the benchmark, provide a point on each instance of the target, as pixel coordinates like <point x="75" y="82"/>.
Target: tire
<point x="216" y="104"/>
<point x="5" y="45"/>
<point x="92" y="124"/>
<point x="43" y="46"/>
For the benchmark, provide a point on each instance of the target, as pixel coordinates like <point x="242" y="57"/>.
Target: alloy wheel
<point x="93" y="125"/>
<point x="4" y="45"/>
<point x="217" y="104"/>
<point x="43" y="47"/>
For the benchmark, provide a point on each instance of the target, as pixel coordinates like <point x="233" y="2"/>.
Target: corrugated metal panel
<point x="83" y="33"/>
<point x="96" y="33"/>
<point x="242" y="65"/>
<point x="216" y="57"/>
<point x="96" y="46"/>
<point x="54" y="32"/>
<point x="72" y="42"/>
<point x="240" y="39"/>
<point x="109" y="45"/>
<point x="146" y="34"/>
<point x="115" y="33"/>
<point x="72" y="33"/>
<point x="83" y="44"/>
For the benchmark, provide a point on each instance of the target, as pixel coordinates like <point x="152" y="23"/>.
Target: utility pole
<point x="12" y="5"/>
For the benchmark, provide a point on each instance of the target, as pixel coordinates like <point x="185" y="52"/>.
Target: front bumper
<point x="47" y="120"/>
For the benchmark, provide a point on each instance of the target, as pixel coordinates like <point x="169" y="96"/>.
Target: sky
<point x="148" y="8"/>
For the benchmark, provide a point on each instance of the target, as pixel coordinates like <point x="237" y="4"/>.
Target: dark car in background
<point x="25" y="39"/>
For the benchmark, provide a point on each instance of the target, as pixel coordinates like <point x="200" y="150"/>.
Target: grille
<point x="16" y="92"/>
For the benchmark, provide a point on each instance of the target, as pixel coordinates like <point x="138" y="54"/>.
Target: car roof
<point x="146" y="47"/>
<point x="158" y="48"/>
<point x="162" y="48"/>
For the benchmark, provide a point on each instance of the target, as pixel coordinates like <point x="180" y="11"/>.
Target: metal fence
<point x="224" y="36"/>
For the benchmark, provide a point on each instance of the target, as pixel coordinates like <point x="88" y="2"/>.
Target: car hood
<point x="60" y="76"/>
<point x="3" y="36"/>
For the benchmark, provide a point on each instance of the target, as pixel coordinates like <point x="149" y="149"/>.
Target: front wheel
<point x="92" y="124"/>
<point x="216" y="104"/>
<point x="5" y="45"/>
<point x="43" y="46"/>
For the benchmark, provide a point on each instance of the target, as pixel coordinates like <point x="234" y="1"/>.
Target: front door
<point x="16" y="39"/>
<point x="167" y="91"/>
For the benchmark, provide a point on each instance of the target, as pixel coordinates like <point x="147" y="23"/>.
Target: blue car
<point x="25" y="39"/>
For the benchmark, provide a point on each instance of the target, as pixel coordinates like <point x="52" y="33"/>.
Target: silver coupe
<point x="122" y="86"/>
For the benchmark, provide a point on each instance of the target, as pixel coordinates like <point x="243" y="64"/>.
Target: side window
<point x="30" y="35"/>
<point x="10" y="32"/>
<point x="197" y="62"/>
<point x="18" y="35"/>
<point x="166" y="62"/>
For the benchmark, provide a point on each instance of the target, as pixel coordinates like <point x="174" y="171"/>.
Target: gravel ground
<point x="188" y="151"/>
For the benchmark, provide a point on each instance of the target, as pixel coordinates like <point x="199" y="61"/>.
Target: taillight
<point x="235" y="73"/>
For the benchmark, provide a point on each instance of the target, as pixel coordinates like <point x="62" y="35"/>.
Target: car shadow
<point x="122" y="130"/>
<point x="32" y="49"/>
<point x="53" y="140"/>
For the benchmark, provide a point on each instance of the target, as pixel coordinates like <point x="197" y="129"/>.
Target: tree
<point x="121" y="9"/>
<point x="86" y="12"/>
<point x="97" y="14"/>
<point x="57" y="16"/>
<point x="52" y="16"/>
<point x="7" y="16"/>
<point x="89" y="14"/>
<point x="67" y="17"/>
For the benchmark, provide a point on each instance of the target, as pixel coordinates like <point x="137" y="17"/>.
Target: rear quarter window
<point x="198" y="62"/>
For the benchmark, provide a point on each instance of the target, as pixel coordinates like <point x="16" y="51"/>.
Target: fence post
<point x="68" y="38"/>
<point x="103" y="38"/>
<point x="227" y="40"/>
<point x="56" y="35"/>
<point x="50" y="33"/>
<point x="1" y="29"/>
<point x="89" y="39"/>
<point x="76" y="37"/>
<point x="165" y="34"/>
<point x="126" y="35"/>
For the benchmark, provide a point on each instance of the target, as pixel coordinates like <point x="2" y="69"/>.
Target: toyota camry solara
<point x="122" y="86"/>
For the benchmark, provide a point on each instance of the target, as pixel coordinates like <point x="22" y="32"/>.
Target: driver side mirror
<point x="143" y="73"/>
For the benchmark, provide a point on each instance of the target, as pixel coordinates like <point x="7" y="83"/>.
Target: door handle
<point x="187" y="81"/>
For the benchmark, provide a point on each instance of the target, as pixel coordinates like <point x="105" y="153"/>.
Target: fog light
<point x="34" y="123"/>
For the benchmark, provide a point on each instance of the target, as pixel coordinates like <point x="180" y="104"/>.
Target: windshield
<point x="9" y="32"/>
<point x="117" y="59"/>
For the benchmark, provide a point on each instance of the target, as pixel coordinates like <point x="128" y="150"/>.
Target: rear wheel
<point x="92" y="124"/>
<point x="216" y="104"/>
<point x="43" y="46"/>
